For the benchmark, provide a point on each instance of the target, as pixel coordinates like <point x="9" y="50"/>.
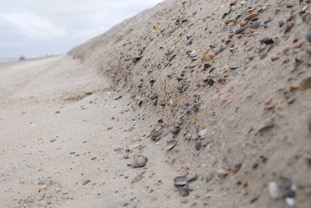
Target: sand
<point x="188" y="84"/>
<point x="54" y="119"/>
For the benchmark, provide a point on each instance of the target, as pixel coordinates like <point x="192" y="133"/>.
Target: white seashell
<point x="290" y="201"/>
<point x="273" y="190"/>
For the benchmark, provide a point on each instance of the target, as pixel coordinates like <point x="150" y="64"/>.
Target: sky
<point x="34" y="28"/>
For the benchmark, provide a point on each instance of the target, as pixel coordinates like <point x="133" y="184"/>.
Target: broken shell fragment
<point x="208" y="56"/>
<point x="226" y="68"/>
<point x="171" y="145"/>
<point x="268" y="124"/>
<point x="225" y="97"/>
<point x="222" y="173"/>
<point x="202" y="133"/>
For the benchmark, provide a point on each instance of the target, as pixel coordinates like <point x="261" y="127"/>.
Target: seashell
<point x="183" y="190"/>
<point x="171" y="145"/>
<point x="156" y="132"/>
<point x="290" y="201"/>
<point x="208" y="56"/>
<point x="222" y="173"/>
<point x="273" y="190"/>
<point x="180" y="181"/>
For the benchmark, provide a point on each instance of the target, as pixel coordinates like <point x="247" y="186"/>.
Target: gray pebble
<point x="308" y="35"/>
<point x="139" y="161"/>
<point x="195" y="136"/>
<point x="198" y="146"/>
<point x="126" y="156"/>
<point x="281" y="23"/>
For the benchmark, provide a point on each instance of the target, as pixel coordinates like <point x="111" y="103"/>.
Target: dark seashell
<point x="184" y="190"/>
<point x="180" y="181"/>
<point x="239" y="30"/>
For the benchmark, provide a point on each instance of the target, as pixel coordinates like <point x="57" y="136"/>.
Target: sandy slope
<point x="235" y="77"/>
<point x="229" y="81"/>
<point x="50" y="146"/>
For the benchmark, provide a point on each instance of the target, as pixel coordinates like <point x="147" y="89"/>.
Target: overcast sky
<point x="40" y="27"/>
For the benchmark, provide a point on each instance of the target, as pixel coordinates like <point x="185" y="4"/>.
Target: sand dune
<point x="216" y="94"/>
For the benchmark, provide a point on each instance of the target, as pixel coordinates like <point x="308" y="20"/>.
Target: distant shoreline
<point x="8" y="60"/>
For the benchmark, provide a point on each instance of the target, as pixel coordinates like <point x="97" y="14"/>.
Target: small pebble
<point x="52" y="140"/>
<point x="281" y="23"/>
<point x="137" y="178"/>
<point x="86" y="182"/>
<point x="135" y="139"/>
<point x="140" y="161"/>
<point x="198" y="146"/>
<point x="195" y="136"/>
<point x="239" y="30"/>
<point x="174" y="129"/>
<point x="255" y="198"/>
<point x="126" y="156"/>
<point x="209" y="177"/>
<point x="308" y="35"/>
<point x="309" y="123"/>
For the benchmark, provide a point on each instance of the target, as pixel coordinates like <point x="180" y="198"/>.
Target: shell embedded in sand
<point x="139" y="161"/>
<point x="273" y="190"/>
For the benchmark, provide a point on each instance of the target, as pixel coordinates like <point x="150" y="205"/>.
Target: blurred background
<point x="36" y="28"/>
